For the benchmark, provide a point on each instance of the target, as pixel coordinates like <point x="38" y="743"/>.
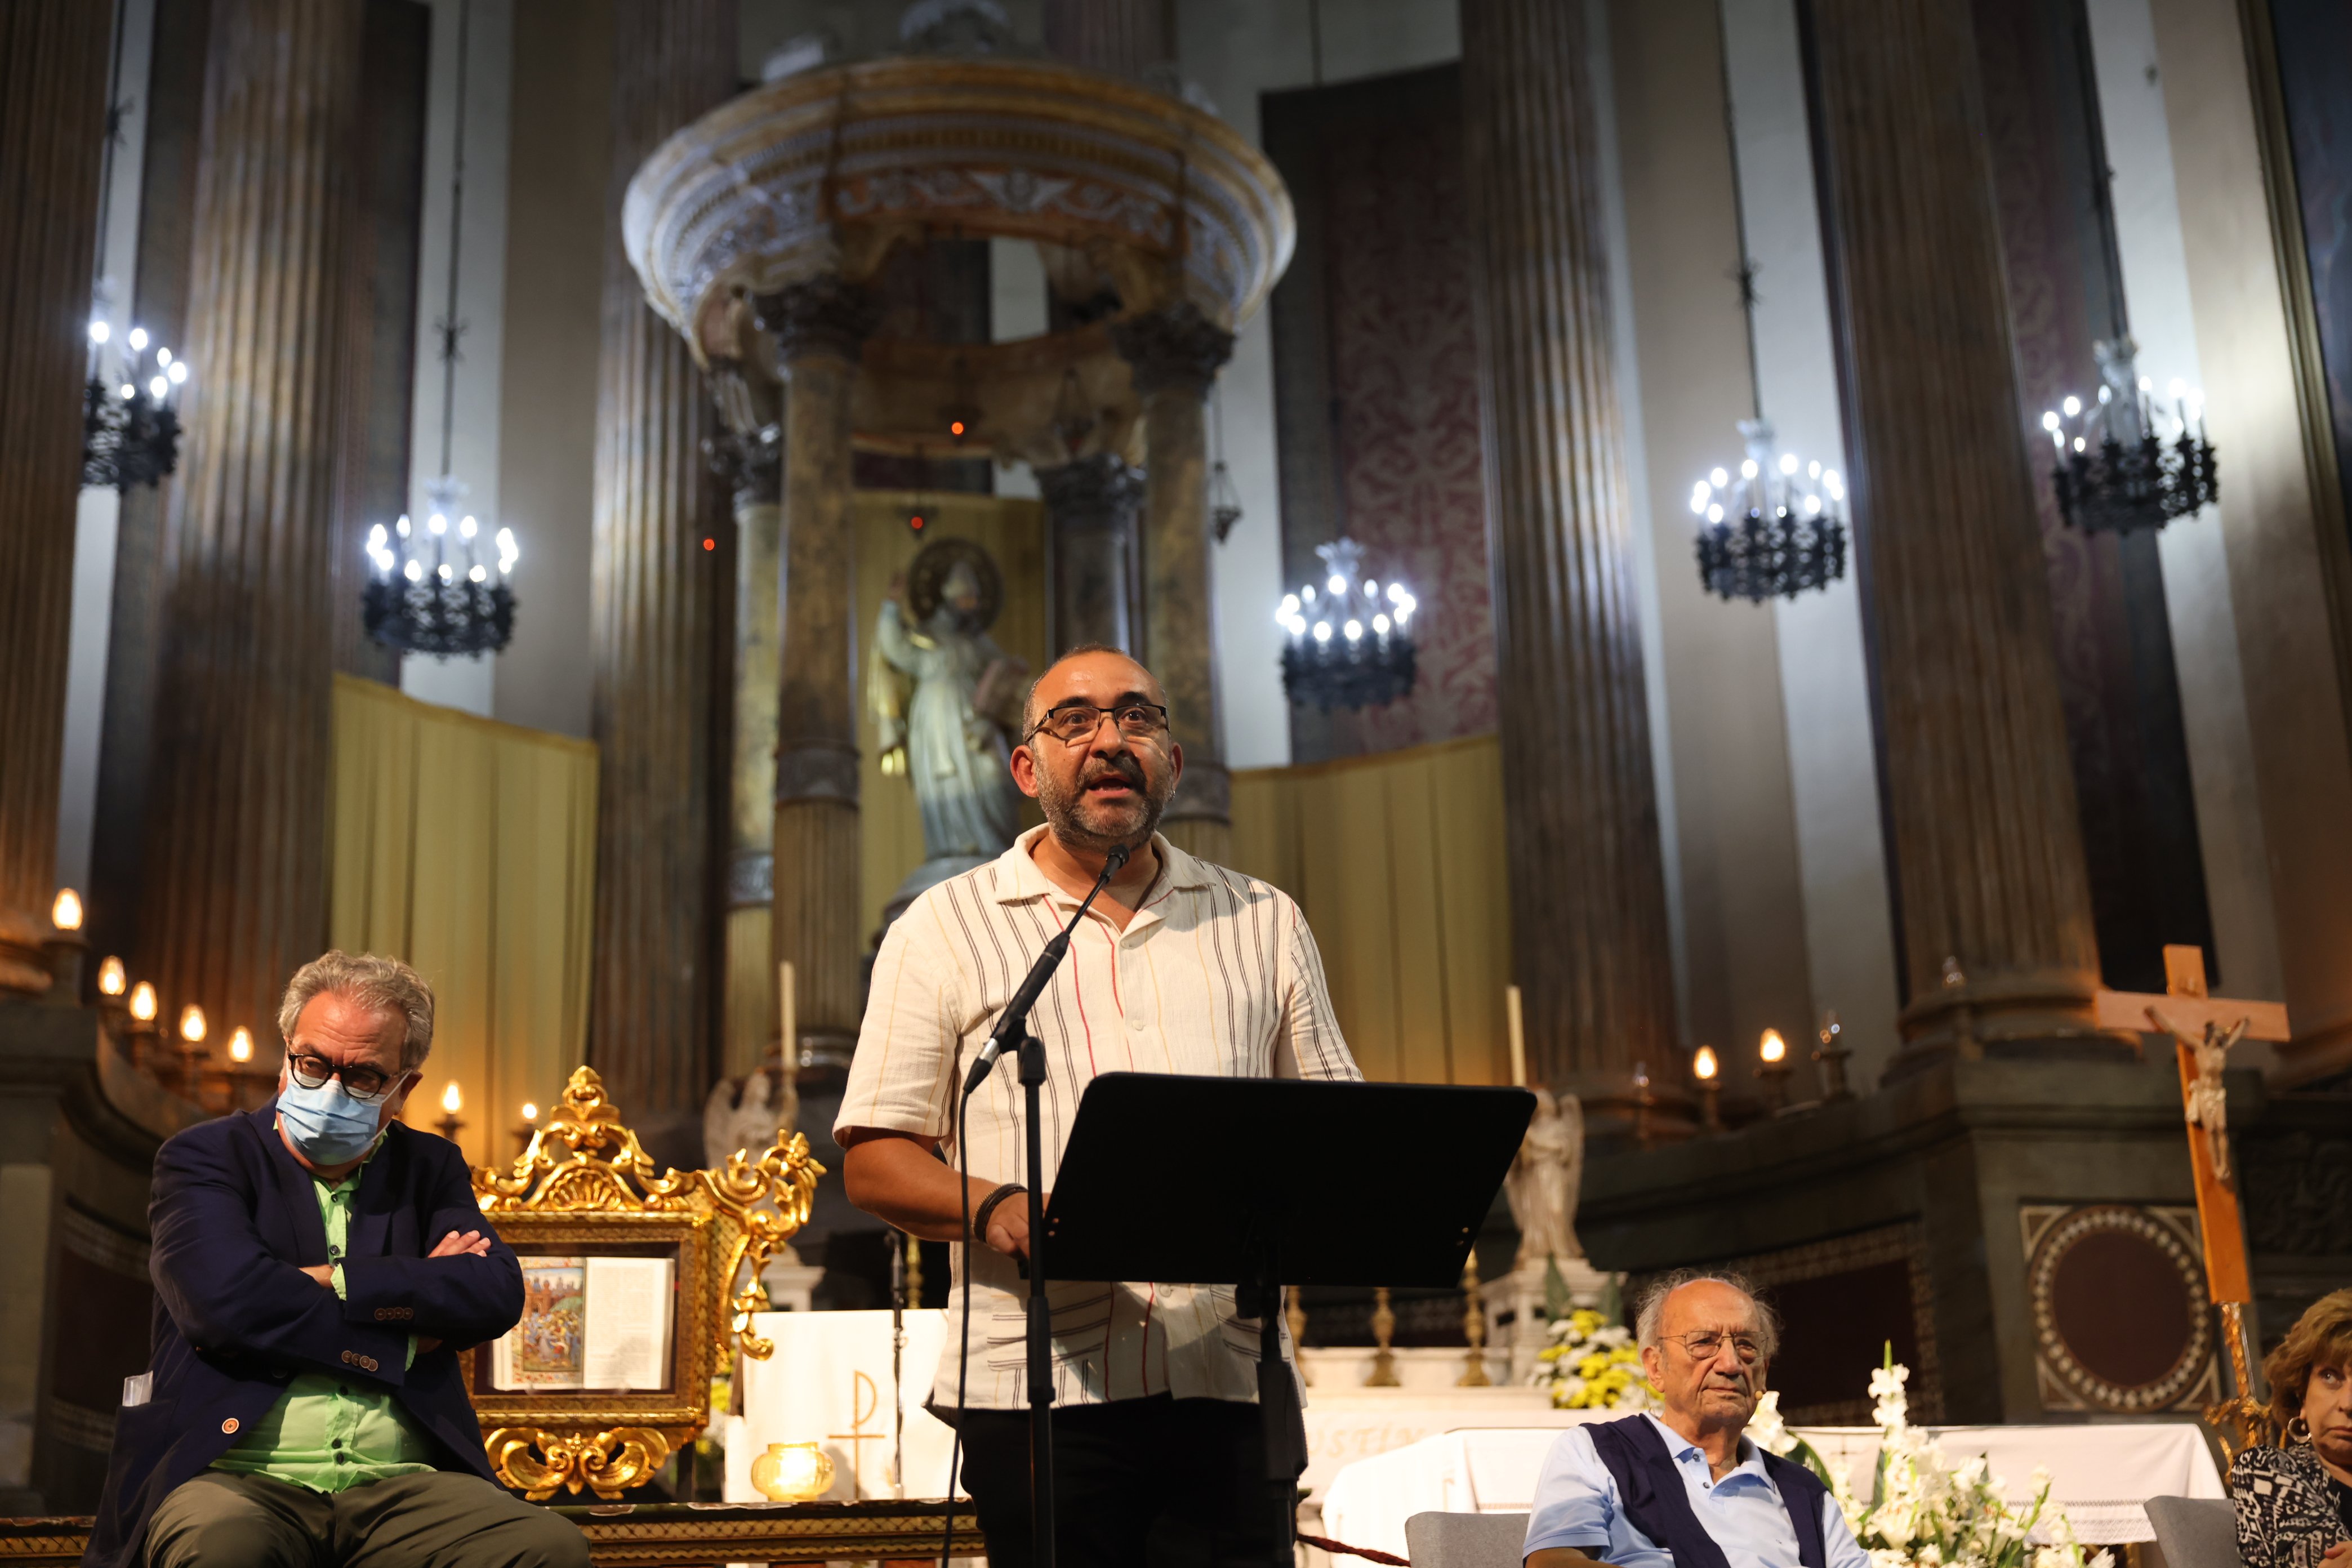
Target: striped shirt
<point x="1216" y="974"/>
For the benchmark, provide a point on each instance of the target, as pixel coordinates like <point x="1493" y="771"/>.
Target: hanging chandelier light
<point x="129" y="411"/>
<point x="1774" y="530"/>
<point x="431" y="589"/>
<point x="1349" y="646"/>
<point x="2129" y="460"/>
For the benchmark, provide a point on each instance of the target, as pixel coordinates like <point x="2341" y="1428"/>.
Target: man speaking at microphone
<point x="1178" y="967"/>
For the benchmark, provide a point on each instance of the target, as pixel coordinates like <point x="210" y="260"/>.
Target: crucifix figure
<point x="2205" y="1027"/>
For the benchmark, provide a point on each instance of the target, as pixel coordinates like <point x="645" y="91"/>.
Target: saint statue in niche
<point x="1543" y="1181"/>
<point x="946" y="702"/>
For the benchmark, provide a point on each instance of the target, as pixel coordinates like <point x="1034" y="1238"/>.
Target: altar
<point x="828" y="1382"/>
<point x="2102" y="1476"/>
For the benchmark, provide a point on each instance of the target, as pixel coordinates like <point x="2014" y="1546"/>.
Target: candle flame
<point x="142" y="1002"/>
<point x="111" y="978"/>
<point x="1773" y="1047"/>
<point x="192" y="1024"/>
<point x="65" y="913"/>
<point x="1704" y="1066"/>
<point x="450" y="1100"/>
<point x="529" y="1111"/>
<point x="240" y="1045"/>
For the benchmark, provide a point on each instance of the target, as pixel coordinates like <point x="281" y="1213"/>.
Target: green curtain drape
<point x="1399" y="862"/>
<point x="467" y="847"/>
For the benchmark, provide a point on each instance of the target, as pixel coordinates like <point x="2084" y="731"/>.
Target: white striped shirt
<point x="1216" y="974"/>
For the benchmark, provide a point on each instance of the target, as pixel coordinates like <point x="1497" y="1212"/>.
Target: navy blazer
<point x="236" y="1219"/>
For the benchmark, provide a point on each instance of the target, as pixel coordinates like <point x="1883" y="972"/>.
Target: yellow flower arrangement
<point x="1591" y="1364"/>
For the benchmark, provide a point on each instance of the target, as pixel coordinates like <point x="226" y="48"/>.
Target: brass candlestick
<point x="449" y="1126"/>
<point x="1709" y="1073"/>
<point x="1474" y="1326"/>
<point x="1384" y="1373"/>
<point x="66" y="950"/>
<point x="1772" y="1070"/>
<point x="192" y="1052"/>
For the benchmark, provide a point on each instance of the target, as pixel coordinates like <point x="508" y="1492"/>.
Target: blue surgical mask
<point x="326" y="1124"/>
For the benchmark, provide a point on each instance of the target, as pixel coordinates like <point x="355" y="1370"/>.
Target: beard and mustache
<point x="1082" y="821"/>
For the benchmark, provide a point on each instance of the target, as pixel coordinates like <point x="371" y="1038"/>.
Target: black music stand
<point x="1264" y="1183"/>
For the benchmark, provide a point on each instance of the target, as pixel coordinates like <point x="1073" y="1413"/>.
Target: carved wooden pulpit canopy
<point x="635" y="1284"/>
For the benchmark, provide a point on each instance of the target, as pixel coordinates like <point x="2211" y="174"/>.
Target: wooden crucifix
<point x="2204" y="1028"/>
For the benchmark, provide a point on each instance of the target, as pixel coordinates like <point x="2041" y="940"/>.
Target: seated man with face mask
<point x="318" y="1268"/>
<point x="1680" y="1487"/>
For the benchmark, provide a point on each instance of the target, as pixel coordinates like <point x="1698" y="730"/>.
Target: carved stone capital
<point x="1206" y="794"/>
<point x="826" y="315"/>
<point x="1099" y="491"/>
<point x="1175" y="347"/>
<point x="750" y="463"/>
<point x="817" y="770"/>
<point x="751" y="882"/>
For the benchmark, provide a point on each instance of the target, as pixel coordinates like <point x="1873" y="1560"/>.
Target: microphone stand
<point x="1011" y="1033"/>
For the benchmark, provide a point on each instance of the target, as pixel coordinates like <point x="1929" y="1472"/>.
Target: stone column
<point x="52" y="127"/>
<point x="751" y="455"/>
<point x="1175" y="353"/>
<point x="658" y="712"/>
<point x="1124" y="37"/>
<point x="818" y="326"/>
<point x="1994" y="901"/>
<point x="1090" y="507"/>
<point x="236" y="890"/>
<point x="1590" y="944"/>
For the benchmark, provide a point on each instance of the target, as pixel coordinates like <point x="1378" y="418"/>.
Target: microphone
<point x="1013" y="1022"/>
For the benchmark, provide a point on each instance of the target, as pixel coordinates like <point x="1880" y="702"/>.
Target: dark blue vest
<point x="1650" y="1486"/>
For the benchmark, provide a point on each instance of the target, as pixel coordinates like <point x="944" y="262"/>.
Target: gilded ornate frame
<point x="586" y="1185"/>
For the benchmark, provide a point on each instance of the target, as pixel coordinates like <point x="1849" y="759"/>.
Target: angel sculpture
<point x="2205" y="1103"/>
<point x="946" y="697"/>
<point x="746" y="1113"/>
<point x="1543" y="1181"/>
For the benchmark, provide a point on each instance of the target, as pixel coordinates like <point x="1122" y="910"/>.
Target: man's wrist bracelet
<point x="988" y="1207"/>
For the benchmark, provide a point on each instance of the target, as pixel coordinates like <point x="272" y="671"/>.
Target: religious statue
<point x="1543" y="1181"/>
<point x="748" y="1113"/>
<point x="2206" y="1104"/>
<point x="947" y="698"/>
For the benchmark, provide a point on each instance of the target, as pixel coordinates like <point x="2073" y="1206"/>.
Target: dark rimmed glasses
<point x="363" y="1083"/>
<point x="1074" y="724"/>
<point x="1707" y="1346"/>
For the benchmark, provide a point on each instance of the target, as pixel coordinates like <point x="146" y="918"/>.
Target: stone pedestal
<point x="1590" y="940"/>
<point x="1524" y="1288"/>
<point x="1090" y="517"/>
<point x="1175" y="354"/>
<point x="235" y="894"/>
<point x="1998" y="946"/>
<point x="658" y="702"/>
<point x="817" y="327"/>
<point x="52" y="127"/>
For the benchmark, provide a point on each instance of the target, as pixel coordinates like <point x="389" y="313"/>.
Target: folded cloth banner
<point x="2102" y="1476"/>
<point x="467" y="848"/>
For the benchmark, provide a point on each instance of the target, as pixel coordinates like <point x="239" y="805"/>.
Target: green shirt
<point x="331" y="1434"/>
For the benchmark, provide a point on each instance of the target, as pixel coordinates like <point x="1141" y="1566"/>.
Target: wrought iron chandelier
<point x="431" y="589"/>
<point x="129" y="411"/>
<point x="1349" y="646"/>
<point x="1773" y="532"/>
<point x="2128" y="461"/>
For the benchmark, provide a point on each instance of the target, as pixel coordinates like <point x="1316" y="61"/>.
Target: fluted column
<point x="1590" y="944"/>
<point x="818" y="326"/>
<point x="1090" y="507"/>
<point x="52" y="127"/>
<point x="236" y="895"/>
<point x="752" y="451"/>
<point x="1988" y="849"/>
<point x="1175" y="353"/>
<point x="658" y="712"/>
<point x="1124" y="37"/>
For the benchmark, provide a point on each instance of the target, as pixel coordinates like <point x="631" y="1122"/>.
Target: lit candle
<point x="1773" y="1047"/>
<point x="1518" y="1035"/>
<point x="192" y="1024"/>
<point x="240" y="1046"/>
<point x="1704" y="1067"/>
<point x="529" y="1112"/>
<point x="143" y="1002"/>
<point x="110" y="979"/>
<point x="65" y="913"/>
<point x="450" y="1100"/>
<point x="788" y="1042"/>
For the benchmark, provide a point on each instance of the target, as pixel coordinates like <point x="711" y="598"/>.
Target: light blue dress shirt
<point x="1576" y="1504"/>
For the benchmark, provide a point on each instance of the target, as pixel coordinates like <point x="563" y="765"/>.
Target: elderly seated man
<point x="1682" y="1485"/>
<point x="318" y="1268"/>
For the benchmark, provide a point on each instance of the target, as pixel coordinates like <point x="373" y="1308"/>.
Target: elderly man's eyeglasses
<point x="1076" y="723"/>
<point x="360" y="1082"/>
<point x="1707" y="1346"/>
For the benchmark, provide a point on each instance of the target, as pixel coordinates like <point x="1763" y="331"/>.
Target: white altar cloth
<point x="2100" y="1475"/>
<point x="828" y="1383"/>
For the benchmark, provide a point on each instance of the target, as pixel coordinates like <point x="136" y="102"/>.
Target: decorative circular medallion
<point x="2120" y="1315"/>
<point x="934" y="566"/>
